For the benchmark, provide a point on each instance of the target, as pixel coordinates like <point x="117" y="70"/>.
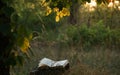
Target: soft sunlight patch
<point x="118" y="7"/>
<point x="48" y="11"/>
<point x="91" y="6"/>
<point x="110" y="4"/>
<point x="114" y="4"/>
<point x="93" y="3"/>
<point x="25" y="45"/>
<point x="60" y="14"/>
<point x="57" y="18"/>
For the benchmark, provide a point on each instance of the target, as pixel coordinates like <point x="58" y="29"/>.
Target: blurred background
<point x="89" y="38"/>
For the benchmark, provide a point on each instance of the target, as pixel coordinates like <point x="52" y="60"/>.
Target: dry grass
<point x="95" y="62"/>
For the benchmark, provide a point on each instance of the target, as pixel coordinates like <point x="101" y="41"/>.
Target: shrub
<point x="88" y="37"/>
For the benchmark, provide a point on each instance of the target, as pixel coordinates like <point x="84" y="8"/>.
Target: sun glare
<point x="118" y="7"/>
<point x="93" y="4"/>
<point x="110" y="4"/>
<point x="114" y="4"/>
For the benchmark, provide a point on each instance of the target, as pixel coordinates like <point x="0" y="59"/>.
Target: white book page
<point x="47" y="62"/>
<point x="61" y="63"/>
<point x="51" y="63"/>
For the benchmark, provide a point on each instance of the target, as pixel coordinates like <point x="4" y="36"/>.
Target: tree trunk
<point x="74" y="9"/>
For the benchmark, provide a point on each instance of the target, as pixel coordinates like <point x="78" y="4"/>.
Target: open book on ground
<point x="51" y="63"/>
<point x="49" y="67"/>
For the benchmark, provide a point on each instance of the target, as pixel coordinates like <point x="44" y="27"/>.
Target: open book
<point x="51" y="63"/>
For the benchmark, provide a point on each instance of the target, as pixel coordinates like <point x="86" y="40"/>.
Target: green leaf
<point x="20" y="60"/>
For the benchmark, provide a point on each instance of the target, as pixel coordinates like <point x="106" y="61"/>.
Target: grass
<point x="98" y="61"/>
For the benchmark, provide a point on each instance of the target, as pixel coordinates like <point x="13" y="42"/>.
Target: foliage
<point x="59" y="3"/>
<point x="17" y="36"/>
<point x="88" y="37"/>
<point x="16" y="18"/>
